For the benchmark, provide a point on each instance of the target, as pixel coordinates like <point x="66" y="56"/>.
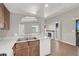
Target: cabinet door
<point x="22" y="52"/>
<point x="1" y="16"/>
<point x="33" y="50"/>
<point x="6" y="18"/>
<point x="22" y="49"/>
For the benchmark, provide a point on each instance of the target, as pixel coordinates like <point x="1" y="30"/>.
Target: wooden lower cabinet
<point x="33" y="50"/>
<point x="21" y="52"/>
<point x="30" y="48"/>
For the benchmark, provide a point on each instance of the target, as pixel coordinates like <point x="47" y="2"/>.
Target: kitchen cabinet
<point x="34" y="48"/>
<point x="21" y="49"/>
<point x="1" y="16"/>
<point x="4" y="17"/>
<point x="30" y="48"/>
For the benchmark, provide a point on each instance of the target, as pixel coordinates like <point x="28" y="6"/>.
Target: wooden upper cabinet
<point x="1" y="16"/>
<point x="4" y="17"/>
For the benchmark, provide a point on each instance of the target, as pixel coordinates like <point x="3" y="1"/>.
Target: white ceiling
<point x="39" y="9"/>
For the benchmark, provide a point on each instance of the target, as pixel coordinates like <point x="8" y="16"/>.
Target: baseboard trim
<point x="67" y="42"/>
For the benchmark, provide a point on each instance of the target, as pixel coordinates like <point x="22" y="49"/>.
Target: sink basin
<point x="26" y="39"/>
<point x="23" y="39"/>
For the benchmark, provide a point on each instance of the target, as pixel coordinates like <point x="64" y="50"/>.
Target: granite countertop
<point x="27" y="40"/>
<point x="30" y="39"/>
<point x="6" y="46"/>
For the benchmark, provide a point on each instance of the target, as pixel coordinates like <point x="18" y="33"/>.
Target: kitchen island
<point x="6" y="46"/>
<point x="32" y="47"/>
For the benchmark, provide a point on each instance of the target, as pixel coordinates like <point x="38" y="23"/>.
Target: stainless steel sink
<point x="23" y="39"/>
<point x="26" y="39"/>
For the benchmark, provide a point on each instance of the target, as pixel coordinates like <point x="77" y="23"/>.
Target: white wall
<point x="52" y="26"/>
<point x="28" y="26"/>
<point x="14" y="26"/>
<point x="42" y="23"/>
<point x="68" y="27"/>
<point x="15" y="20"/>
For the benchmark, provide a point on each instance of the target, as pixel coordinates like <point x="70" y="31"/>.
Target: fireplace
<point x="49" y="35"/>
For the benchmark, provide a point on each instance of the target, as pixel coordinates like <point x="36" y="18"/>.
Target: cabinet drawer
<point x="33" y="42"/>
<point x="21" y="45"/>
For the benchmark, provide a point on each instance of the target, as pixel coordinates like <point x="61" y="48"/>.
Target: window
<point x="21" y="29"/>
<point x="34" y="29"/>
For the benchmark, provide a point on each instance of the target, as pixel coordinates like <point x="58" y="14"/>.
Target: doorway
<point x="77" y="32"/>
<point x="54" y="30"/>
<point x="57" y="30"/>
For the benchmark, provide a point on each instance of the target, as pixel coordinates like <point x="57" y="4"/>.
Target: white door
<point x="57" y="31"/>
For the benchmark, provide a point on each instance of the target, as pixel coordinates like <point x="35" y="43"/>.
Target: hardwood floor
<point x="63" y="49"/>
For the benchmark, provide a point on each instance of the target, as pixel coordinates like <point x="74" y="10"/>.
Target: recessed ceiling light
<point x="46" y="5"/>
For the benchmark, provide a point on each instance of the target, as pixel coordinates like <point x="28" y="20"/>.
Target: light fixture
<point x="28" y="19"/>
<point x="46" y="5"/>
